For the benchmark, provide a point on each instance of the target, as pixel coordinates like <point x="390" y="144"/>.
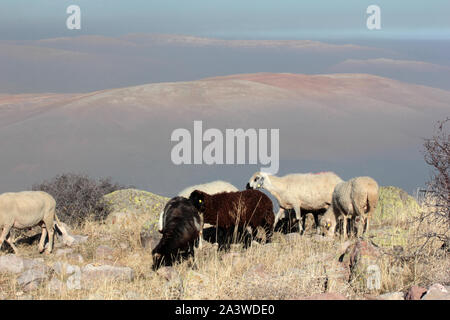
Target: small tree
<point x="437" y="155"/>
<point x="78" y="196"/>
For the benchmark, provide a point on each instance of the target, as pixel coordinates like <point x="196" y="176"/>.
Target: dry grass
<point x="290" y="267"/>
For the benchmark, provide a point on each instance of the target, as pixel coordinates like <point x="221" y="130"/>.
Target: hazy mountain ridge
<point x="350" y="123"/>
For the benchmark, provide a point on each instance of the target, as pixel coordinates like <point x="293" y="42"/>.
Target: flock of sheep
<point x="222" y="206"/>
<point x="231" y="211"/>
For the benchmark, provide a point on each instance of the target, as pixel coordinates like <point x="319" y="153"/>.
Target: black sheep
<point x="181" y="232"/>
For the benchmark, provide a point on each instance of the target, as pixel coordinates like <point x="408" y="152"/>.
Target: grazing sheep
<point x="298" y="191"/>
<point x="210" y="188"/>
<point x="247" y="210"/>
<point x="356" y="200"/>
<point x="27" y="209"/>
<point x="180" y="234"/>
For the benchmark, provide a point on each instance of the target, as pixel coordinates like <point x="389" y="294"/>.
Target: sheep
<point x="356" y="200"/>
<point x="27" y="209"/>
<point x="298" y="191"/>
<point x="210" y="188"/>
<point x="249" y="210"/>
<point x="180" y="234"/>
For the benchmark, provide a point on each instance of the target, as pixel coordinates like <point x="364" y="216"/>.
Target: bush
<point x="78" y="196"/>
<point x="437" y="155"/>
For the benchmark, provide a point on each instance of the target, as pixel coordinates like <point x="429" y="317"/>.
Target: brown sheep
<point x="249" y="210"/>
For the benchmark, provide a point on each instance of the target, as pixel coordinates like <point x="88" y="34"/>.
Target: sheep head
<point x="197" y="198"/>
<point x="256" y="181"/>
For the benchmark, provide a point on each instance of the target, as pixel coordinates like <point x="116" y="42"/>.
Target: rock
<point x="76" y="257"/>
<point x="361" y="261"/>
<point x="64" y="269"/>
<point x="63" y="252"/>
<point x="326" y="296"/>
<point x="15" y="264"/>
<point x="391" y="296"/>
<point x="394" y="204"/>
<point x="55" y="285"/>
<point x="91" y="273"/>
<point x="415" y="293"/>
<point x="32" y="278"/>
<point x="78" y="239"/>
<point x="134" y="201"/>
<point x="122" y="219"/>
<point x="437" y="292"/>
<point x="149" y="238"/>
<point x="74" y="281"/>
<point x="168" y="273"/>
<point x="104" y="253"/>
<point x="11" y="263"/>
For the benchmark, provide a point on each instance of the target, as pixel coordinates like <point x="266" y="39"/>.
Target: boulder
<point x="150" y="236"/>
<point x="134" y="201"/>
<point x="55" y="285"/>
<point x="32" y="278"/>
<point x="122" y="219"/>
<point x="64" y="269"/>
<point x="15" y="264"/>
<point x="437" y="292"/>
<point x="394" y="205"/>
<point x="326" y="296"/>
<point x="361" y="261"/>
<point x="91" y="273"/>
<point x="415" y="293"/>
<point x="104" y="253"/>
<point x="391" y="296"/>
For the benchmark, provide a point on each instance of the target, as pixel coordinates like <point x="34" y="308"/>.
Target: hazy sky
<point x="25" y="19"/>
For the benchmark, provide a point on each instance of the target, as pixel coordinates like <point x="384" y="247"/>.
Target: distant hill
<point x="356" y="123"/>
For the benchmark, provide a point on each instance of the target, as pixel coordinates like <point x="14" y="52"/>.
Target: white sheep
<point x="210" y="188"/>
<point x="27" y="209"/>
<point x="356" y="200"/>
<point x="298" y="191"/>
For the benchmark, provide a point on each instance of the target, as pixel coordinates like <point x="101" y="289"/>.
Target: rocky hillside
<point x="112" y="260"/>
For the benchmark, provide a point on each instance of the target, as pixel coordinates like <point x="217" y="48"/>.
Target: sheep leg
<point x="5" y="232"/>
<point x="10" y="240"/>
<point x="248" y="237"/>
<point x="51" y="233"/>
<point x="344" y="227"/>
<point x="316" y="223"/>
<point x="42" y="240"/>
<point x="301" y="221"/>
<point x="278" y="216"/>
